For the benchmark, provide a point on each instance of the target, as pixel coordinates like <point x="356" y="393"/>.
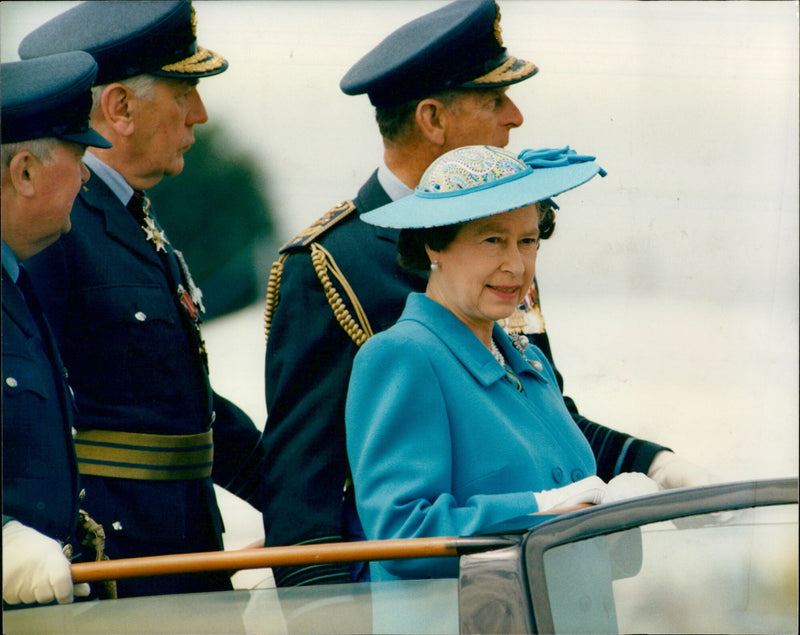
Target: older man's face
<point x="58" y="181"/>
<point x="165" y="128"/>
<point x="482" y="117"/>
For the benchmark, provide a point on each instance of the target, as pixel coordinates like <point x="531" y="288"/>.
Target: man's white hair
<point x="142" y="86"/>
<point x="42" y="149"/>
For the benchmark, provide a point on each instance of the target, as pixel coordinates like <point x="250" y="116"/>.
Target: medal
<point x="155" y="235"/>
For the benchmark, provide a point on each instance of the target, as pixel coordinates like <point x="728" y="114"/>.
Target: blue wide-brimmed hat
<point x="49" y="97"/>
<point x="129" y="38"/>
<point x="478" y="181"/>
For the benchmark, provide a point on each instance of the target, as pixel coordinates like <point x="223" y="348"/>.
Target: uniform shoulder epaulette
<point x="311" y="233"/>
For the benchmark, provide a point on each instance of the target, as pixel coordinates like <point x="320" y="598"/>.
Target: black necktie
<point x="136" y="205"/>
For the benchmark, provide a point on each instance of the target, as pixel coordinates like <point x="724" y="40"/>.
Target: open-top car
<point x="716" y="559"/>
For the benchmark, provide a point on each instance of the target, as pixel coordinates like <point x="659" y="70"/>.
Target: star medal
<point x="155" y="235"/>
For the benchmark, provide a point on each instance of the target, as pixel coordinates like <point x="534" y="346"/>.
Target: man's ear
<point x="22" y="173"/>
<point x="118" y="104"/>
<point x="431" y="117"/>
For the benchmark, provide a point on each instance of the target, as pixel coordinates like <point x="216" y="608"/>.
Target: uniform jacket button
<point x="558" y="474"/>
<point x="140" y="316"/>
<point x="577" y="475"/>
<point x="11" y="382"/>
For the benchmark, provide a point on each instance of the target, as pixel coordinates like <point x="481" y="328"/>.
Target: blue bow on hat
<point x="554" y="158"/>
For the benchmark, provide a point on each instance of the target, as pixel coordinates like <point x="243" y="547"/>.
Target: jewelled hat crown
<point x="471" y="167"/>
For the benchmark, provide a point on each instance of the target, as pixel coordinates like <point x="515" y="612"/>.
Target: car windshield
<point x="730" y="572"/>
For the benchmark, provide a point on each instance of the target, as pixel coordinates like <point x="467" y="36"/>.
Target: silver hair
<point x="142" y="86"/>
<point x="42" y="149"/>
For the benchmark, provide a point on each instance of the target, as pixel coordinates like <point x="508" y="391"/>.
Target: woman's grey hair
<point x="142" y="86"/>
<point x="411" y="243"/>
<point x="42" y="149"/>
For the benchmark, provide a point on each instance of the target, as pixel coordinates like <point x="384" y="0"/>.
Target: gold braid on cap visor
<point x="196" y="63"/>
<point x="503" y="74"/>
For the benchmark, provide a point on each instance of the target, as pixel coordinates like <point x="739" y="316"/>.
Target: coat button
<point x="139" y="315"/>
<point x="11" y="382"/>
<point x="577" y="475"/>
<point x="558" y="474"/>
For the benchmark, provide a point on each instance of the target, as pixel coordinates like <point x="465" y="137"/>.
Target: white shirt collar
<point x="389" y="181"/>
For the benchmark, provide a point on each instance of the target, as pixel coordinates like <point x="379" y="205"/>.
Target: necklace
<point x="520" y="342"/>
<point x="497" y="354"/>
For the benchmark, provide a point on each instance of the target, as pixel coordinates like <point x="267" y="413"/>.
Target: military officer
<point x="45" y="131"/>
<point x="437" y="83"/>
<point x="152" y="436"/>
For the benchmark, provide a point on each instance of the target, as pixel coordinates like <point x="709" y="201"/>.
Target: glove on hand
<point x="671" y="471"/>
<point x="35" y="570"/>
<point x="628" y="485"/>
<point x="588" y="490"/>
<point x="594" y="490"/>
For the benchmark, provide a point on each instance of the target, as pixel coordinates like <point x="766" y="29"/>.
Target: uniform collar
<point x="463" y="343"/>
<point x="108" y="175"/>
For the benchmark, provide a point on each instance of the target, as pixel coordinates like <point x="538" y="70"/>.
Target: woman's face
<point x="485" y="272"/>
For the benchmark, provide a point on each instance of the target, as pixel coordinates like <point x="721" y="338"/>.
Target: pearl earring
<point x="435" y="265"/>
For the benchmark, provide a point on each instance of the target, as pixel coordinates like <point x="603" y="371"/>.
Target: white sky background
<point x="670" y="288"/>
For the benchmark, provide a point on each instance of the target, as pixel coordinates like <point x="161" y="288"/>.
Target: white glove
<point x="594" y="490"/>
<point x="671" y="471"/>
<point x="588" y="490"/>
<point x="629" y="485"/>
<point x="35" y="570"/>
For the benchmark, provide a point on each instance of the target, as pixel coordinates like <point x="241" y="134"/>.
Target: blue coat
<point x="439" y="440"/>
<point x="135" y="364"/>
<point x="307" y="369"/>
<point x="40" y="475"/>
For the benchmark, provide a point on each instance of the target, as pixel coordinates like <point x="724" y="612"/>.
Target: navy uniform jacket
<point x="308" y="362"/>
<point x="40" y="475"/>
<point x="136" y="366"/>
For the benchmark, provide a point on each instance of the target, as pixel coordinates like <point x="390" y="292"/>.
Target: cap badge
<point x="498" y="32"/>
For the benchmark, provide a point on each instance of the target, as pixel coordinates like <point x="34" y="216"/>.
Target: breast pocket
<point x="128" y="331"/>
<point x="33" y="419"/>
<point x="23" y="377"/>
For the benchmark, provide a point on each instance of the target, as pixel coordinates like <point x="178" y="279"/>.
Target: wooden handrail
<point x="236" y="560"/>
<point x="258" y="558"/>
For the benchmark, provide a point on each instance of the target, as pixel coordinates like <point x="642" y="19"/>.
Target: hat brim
<point x="204" y="63"/>
<point x="421" y="210"/>
<point x="89" y="138"/>
<point x="511" y="71"/>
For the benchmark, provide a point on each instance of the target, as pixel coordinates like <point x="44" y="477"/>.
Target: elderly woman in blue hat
<point x="452" y="426"/>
